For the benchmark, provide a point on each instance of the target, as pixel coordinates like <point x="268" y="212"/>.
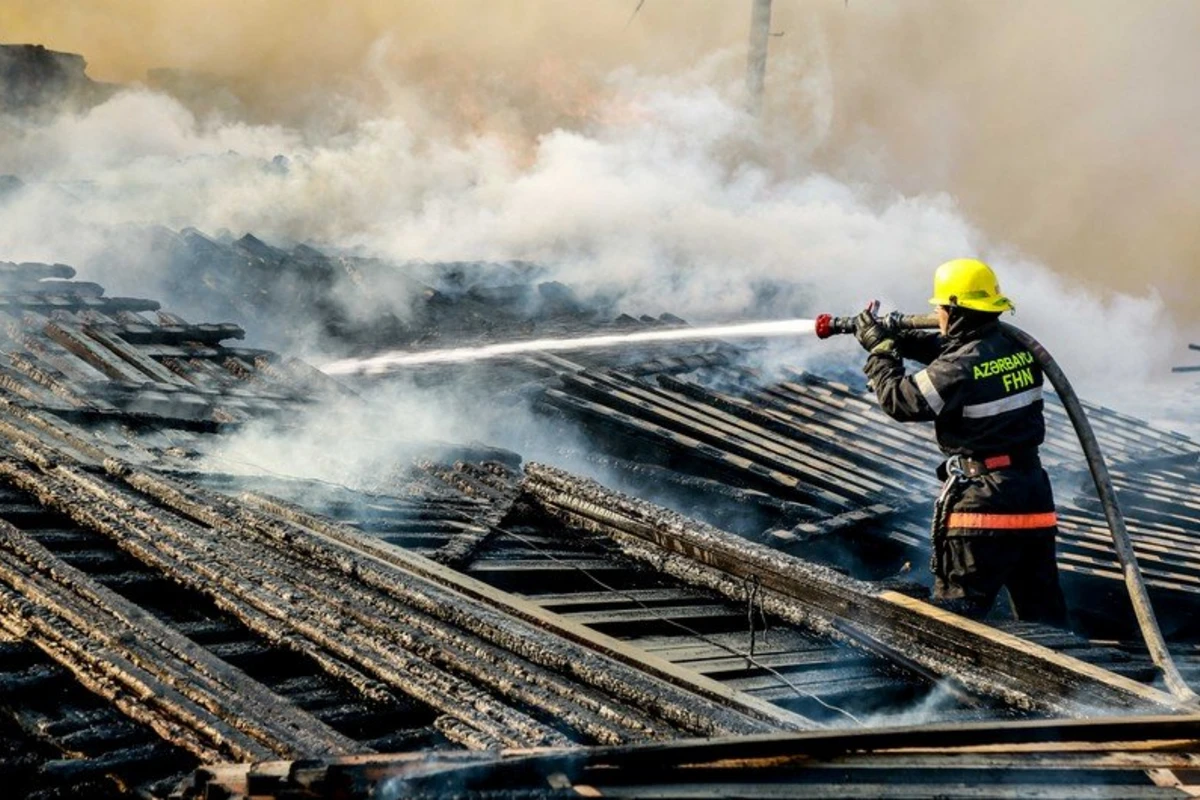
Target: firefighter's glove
<point x="871" y="334"/>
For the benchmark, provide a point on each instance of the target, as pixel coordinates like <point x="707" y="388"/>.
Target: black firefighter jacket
<point x="983" y="392"/>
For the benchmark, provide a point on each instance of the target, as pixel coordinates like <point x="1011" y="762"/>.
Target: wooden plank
<point x="639" y="615"/>
<point x="837" y="485"/>
<point x="970" y="652"/>
<point x="130" y="354"/>
<point x="94" y="354"/>
<point x="526" y="610"/>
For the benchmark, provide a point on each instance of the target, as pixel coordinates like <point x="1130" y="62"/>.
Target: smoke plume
<point x="1050" y="139"/>
<point x="1064" y="129"/>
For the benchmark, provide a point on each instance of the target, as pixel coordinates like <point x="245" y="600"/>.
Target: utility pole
<point x="756" y="62"/>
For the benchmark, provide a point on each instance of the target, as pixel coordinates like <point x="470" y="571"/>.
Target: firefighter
<point x="994" y="522"/>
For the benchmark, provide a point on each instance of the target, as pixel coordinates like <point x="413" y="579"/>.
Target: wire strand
<point x="748" y="656"/>
<point x="691" y="631"/>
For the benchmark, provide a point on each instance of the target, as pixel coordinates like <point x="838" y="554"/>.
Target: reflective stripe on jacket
<point x="983" y="392"/>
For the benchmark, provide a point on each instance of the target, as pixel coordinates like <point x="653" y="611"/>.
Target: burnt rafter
<point x="1072" y="760"/>
<point x="309" y="627"/>
<point x="168" y="681"/>
<point x="866" y="482"/>
<point x="972" y="654"/>
<point x="232" y="554"/>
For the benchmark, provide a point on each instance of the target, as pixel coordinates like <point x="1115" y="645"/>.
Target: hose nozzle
<point x="827" y="325"/>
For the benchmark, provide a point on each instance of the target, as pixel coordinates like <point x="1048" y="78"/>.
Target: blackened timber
<point x="62" y="287"/>
<point x="839" y="523"/>
<point x="843" y="476"/>
<point x="821" y="437"/>
<point x="971" y="653"/>
<point x="47" y="376"/>
<point x="679" y="695"/>
<point x="825" y="488"/>
<point x="134" y="691"/>
<point x="182" y="663"/>
<point x="297" y="582"/>
<point x="738" y="470"/>
<point x="46" y="303"/>
<point x="234" y="583"/>
<point x="210" y="334"/>
<point x="30" y="271"/>
<point x="384" y="619"/>
<point x="95" y="354"/>
<point x="151" y="368"/>
<point x="508" y="632"/>
<point x="1066" y="760"/>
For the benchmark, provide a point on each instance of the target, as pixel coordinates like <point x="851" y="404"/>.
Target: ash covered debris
<point x="467" y="603"/>
<point x="299" y="297"/>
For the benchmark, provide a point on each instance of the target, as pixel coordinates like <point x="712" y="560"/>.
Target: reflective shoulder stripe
<point x="960" y="519"/>
<point x="929" y="391"/>
<point x="1010" y="403"/>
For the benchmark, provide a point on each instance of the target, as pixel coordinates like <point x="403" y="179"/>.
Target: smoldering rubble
<point x="226" y="573"/>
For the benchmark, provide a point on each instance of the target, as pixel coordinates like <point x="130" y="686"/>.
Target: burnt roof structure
<point x="159" y="618"/>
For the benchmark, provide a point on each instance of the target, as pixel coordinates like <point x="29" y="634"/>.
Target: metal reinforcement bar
<point x="971" y="654"/>
<point x="58" y="605"/>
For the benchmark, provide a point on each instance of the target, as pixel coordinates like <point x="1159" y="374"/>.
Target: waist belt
<point x="1004" y="522"/>
<point x="970" y="467"/>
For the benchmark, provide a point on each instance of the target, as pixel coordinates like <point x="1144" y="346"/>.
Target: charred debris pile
<point x="482" y="625"/>
<point x="298" y="295"/>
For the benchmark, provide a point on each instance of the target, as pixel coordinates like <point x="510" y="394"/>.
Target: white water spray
<point x="386" y="362"/>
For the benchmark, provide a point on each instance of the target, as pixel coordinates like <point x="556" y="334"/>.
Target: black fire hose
<point x="827" y="326"/>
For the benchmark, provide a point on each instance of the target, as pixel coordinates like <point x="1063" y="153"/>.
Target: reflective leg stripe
<point x="929" y="392"/>
<point x="1018" y="400"/>
<point x="960" y="519"/>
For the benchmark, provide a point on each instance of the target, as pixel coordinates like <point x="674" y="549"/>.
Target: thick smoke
<point x="1064" y="129"/>
<point x="1047" y="139"/>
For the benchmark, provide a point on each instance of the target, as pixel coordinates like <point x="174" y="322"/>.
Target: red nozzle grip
<point x="824" y="326"/>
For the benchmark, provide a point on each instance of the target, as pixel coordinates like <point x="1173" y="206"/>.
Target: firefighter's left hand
<point x="870" y="334"/>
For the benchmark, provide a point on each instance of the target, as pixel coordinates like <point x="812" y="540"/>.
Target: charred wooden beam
<point x="135" y="358"/>
<point x="45" y="303"/>
<point x="823" y="439"/>
<point x="673" y="693"/>
<point x="496" y="486"/>
<point x="972" y="654"/>
<point x="61" y="287"/>
<point x="238" y="579"/>
<point x="33" y="271"/>
<point x="59" y="384"/>
<point x="828" y="487"/>
<point x="95" y="354"/>
<point x="1104" y="758"/>
<point x="829" y="526"/>
<point x="210" y="334"/>
<point x="202" y="692"/>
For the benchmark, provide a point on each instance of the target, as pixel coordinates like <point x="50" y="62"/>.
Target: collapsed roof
<point x="159" y="614"/>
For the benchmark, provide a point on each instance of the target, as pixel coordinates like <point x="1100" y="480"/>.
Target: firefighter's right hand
<point x="873" y="337"/>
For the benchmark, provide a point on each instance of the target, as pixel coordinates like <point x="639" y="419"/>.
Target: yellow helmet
<point x="968" y="283"/>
